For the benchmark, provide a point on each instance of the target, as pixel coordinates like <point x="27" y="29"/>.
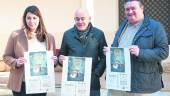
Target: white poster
<point x="76" y="76"/>
<point x="118" y="69"/>
<point x="39" y="72"/>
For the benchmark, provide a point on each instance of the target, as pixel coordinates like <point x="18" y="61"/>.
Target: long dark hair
<point x="41" y="30"/>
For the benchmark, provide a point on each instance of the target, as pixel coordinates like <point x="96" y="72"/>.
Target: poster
<point x="39" y="72"/>
<point x="76" y="76"/>
<point x="118" y="69"/>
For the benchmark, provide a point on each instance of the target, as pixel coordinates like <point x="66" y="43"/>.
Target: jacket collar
<point x="90" y="33"/>
<point x="142" y="29"/>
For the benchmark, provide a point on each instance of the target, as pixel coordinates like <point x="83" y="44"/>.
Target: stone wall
<point x="166" y="73"/>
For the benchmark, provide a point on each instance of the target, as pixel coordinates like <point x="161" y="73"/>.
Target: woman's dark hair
<point x="41" y="30"/>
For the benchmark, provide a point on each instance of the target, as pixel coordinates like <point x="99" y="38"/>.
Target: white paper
<point x="76" y="76"/>
<point x="39" y="72"/>
<point x="118" y="69"/>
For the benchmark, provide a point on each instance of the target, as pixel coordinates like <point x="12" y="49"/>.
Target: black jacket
<point x="93" y="47"/>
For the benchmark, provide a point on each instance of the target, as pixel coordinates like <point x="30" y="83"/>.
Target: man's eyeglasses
<point x="78" y="19"/>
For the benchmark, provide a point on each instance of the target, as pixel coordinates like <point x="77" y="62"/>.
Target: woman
<point x="32" y="36"/>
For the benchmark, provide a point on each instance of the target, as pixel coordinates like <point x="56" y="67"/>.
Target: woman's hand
<point x="61" y="58"/>
<point x="21" y="61"/>
<point x="54" y="58"/>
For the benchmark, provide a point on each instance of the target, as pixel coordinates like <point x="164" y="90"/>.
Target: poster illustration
<point x="76" y="76"/>
<point x="76" y="69"/>
<point x="118" y="69"/>
<point x="38" y="63"/>
<point x="117" y="60"/>
<point x="39" y="72"/>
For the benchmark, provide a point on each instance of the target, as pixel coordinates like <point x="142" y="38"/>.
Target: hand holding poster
<point x="118" y="70"/>
<point x="39" y="72"/>
<point x="76" y="76"/>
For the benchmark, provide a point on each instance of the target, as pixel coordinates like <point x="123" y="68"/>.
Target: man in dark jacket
<point x="84" y="40"/>
<point x="148" y="45"/>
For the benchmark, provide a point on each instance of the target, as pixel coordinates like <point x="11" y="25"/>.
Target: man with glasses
<point x="84" y="40"/>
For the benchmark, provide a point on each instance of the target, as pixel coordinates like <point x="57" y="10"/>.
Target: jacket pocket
<point x="148" y="81"/>
<point x="145" y="40"/>
<point x="147" y="67"/>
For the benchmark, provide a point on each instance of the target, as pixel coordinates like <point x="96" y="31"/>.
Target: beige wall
<point x="106" y="17"/>
<point x="58" y="17"/>
<point x="57" y="14"/>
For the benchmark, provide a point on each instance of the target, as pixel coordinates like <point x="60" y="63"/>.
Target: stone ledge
<point x="166" y="67"/>
<point x="3" y="80"/>
<point x="166" y="78"/>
